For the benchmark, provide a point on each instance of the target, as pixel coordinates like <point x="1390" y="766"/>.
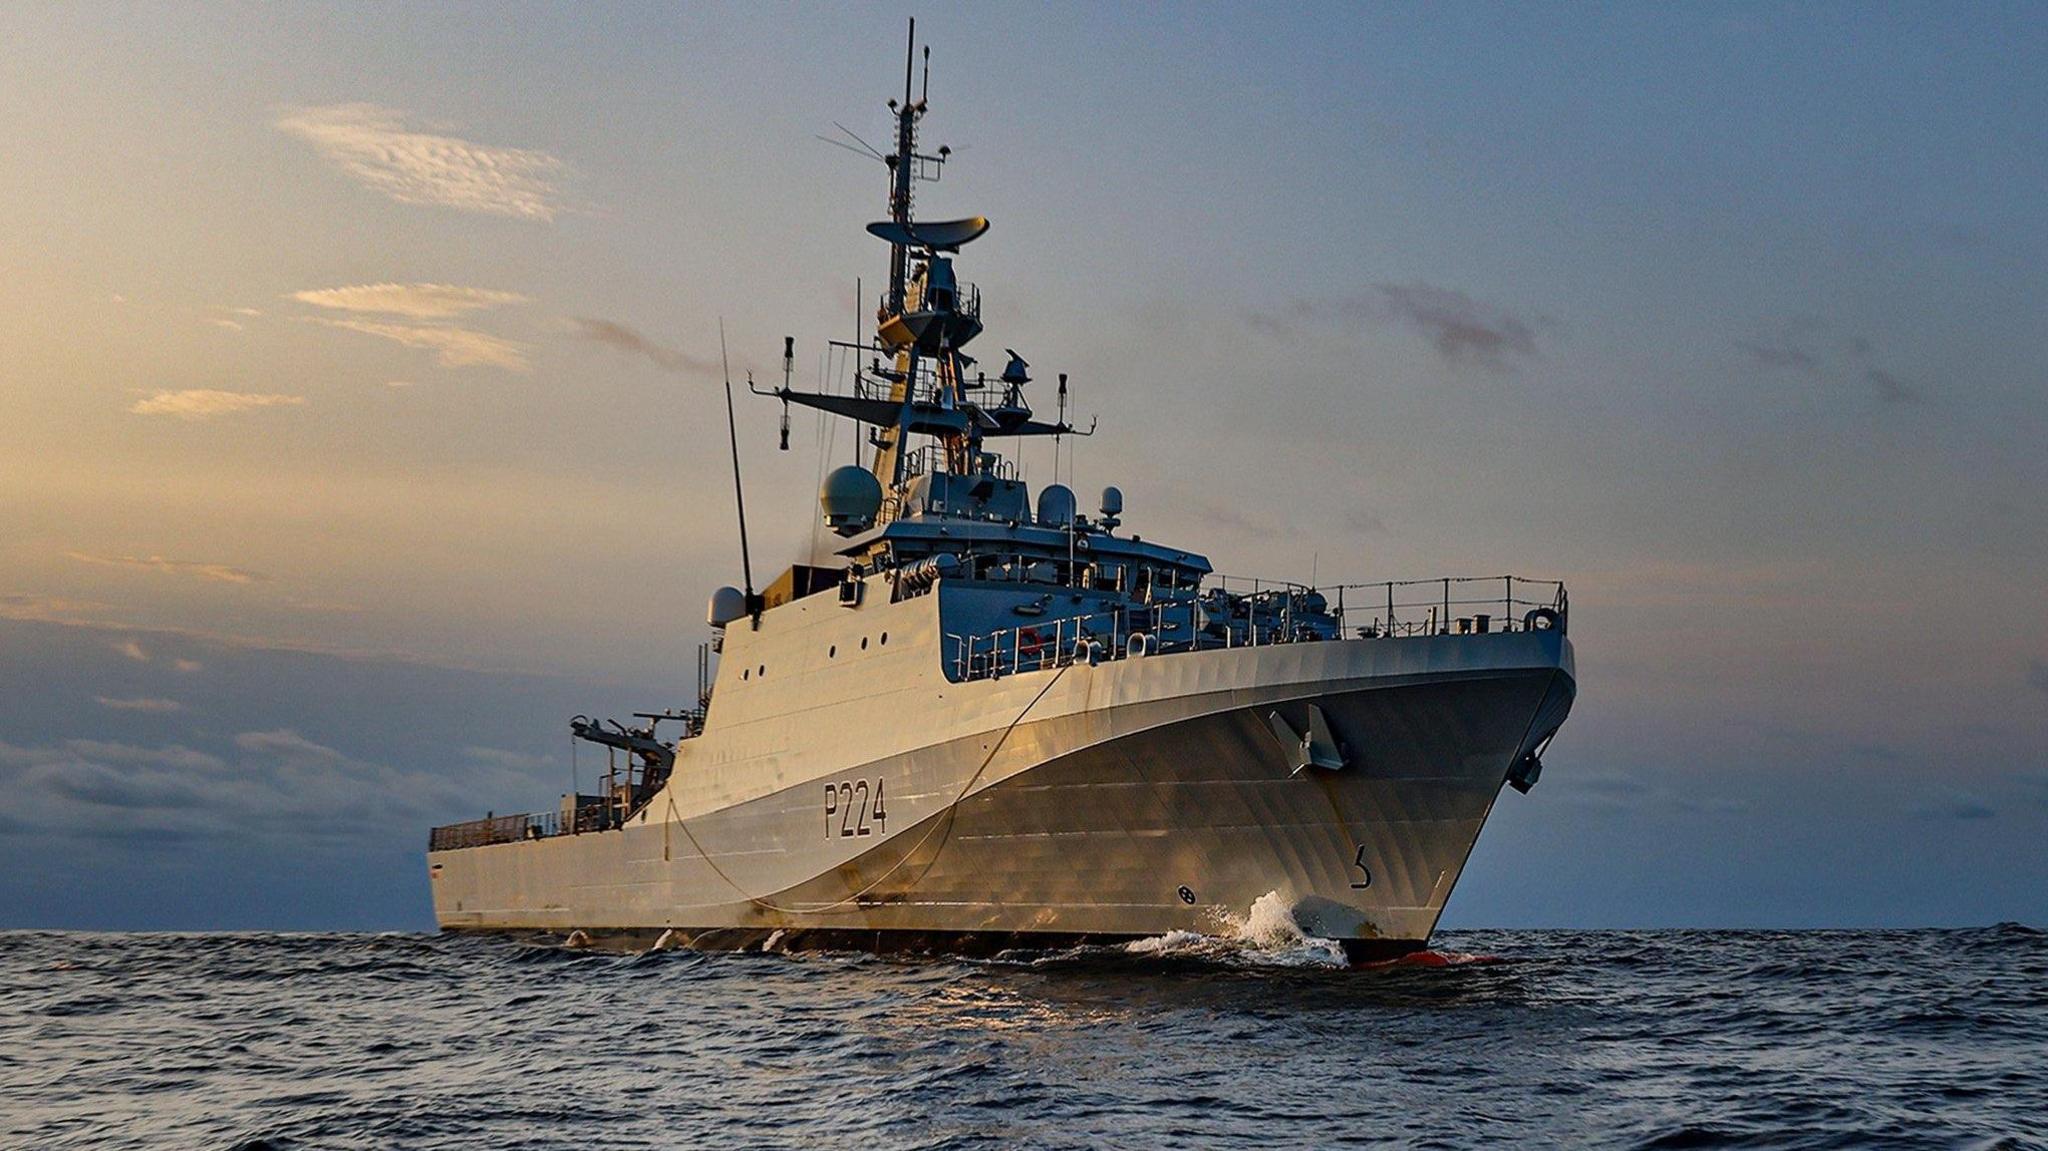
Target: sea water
<point x="1259" y="1036"/>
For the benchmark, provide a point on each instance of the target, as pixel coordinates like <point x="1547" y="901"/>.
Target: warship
<point x="983" y="722"/>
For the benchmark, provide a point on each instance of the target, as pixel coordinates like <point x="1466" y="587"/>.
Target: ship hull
<point x="1159" y="797"/>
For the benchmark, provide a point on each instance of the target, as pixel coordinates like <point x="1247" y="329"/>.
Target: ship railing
<point x="1446" y="605"/>
<point x="1241" y="612"/>
<point x="531" y="825"/>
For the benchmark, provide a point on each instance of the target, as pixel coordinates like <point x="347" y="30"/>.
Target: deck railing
<point x="1240" y="612"/>
<point x="513" y="828"/>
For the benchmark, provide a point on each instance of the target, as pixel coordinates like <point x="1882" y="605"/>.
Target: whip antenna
<point x="739" y="495"/>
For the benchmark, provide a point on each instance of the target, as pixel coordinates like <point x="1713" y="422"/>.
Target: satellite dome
<point x="850" y="497"/>
<point x="1055" y="506"/>
<point x="727" y="605"/>
<point x="1112" y="501"/>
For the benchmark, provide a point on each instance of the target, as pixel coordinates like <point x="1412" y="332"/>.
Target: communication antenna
<point x="909" y="58"/>
<point x="1062" y="423"/>
<point x="739" y="494"/>
<point x="858" y="388"/>
<point x="788" y="365"/>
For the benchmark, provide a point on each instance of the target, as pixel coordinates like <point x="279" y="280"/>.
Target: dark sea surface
<point x="1606" y="1038"/>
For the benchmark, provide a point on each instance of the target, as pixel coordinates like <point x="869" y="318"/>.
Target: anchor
<point x="1316" y="747"/>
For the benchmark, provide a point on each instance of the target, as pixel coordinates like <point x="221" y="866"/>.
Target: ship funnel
<point x="850" y="498"/>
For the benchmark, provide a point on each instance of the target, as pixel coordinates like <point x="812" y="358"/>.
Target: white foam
<point x="1267" y="936"/>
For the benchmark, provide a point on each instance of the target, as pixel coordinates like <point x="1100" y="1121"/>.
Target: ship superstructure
<point x="992" y="722"/>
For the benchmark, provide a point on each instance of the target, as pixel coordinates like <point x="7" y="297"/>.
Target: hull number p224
<point x="854" y="808"/>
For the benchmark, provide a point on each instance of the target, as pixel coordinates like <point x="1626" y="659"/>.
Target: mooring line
<point x="947" y="815"/>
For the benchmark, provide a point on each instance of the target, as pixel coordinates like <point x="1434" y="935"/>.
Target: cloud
<point x="49" y="608"/>
<point x="1792" y="351"/>
<point x="511" y="760"/>
<point x="416" y="301"/>
<point x="1363" y="521"/>
<point x="140" y="704"/>
<point x="1463" y="330"/>
<point x="1960" y="805"/>
<point x="626" y="339"/>
<point x="398" y="383"/>
<point x="186" y="666"/>
<point x="219" y="322"/>
<point x="285" y="742"/>
<point x="452" y="347"/>
<point x="1607" y="792"/>
<point x="222" y="572"/>
<point x="202" y="403"/>
<point x="373" y="145"/>
<point x="132" y="650"/>
<point x="1891" y="389"/>
<point x="276" y="786"/>
<point x="1782" y="356"/>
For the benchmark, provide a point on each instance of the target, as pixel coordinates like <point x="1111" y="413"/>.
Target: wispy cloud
<point x="1809" y="347"/>
<point x="160" y="706"/>
<point x="1891" y="389"/>
<point x="272" y="785"/>
<point x="133" y="650"/>
<point x="1959" y="805"/>
<point x="204" y="403"/>
<point x="373" y="145"/>
<point x="1464" y="330"/>
<point x="452" y="347"/>
<point x="213" y="571"/>
<point x="223" y="322"/>
<point x="186" y="666"/>
<point x="49" y="608"/>
<point x="626" y="339"/>
<point x="1780" y="355"/>
<point x="285" y="742"/>
<point x="511" y="760"/>
<point x="415" y="301"/>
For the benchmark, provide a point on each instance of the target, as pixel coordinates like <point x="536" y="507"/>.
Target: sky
<point x="360" y="423"/>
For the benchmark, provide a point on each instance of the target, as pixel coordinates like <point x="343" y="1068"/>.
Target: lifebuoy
<point x="1542" y="619"/>
<point x="1030" y="643"/>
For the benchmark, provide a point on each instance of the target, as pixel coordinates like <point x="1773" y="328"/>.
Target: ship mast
<point x="888" y="465"/>
<point x="921" y="322"/>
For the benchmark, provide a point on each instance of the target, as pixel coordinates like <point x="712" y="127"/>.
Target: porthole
<point x="762" y="670"/>
<point x="863" y="643"/>
<point x="885" y="639"/>
<point x="746" y="674"/>
<point x="832" y="652"/>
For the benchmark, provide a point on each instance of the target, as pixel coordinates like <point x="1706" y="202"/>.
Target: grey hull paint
<point x="1085" y="824"/>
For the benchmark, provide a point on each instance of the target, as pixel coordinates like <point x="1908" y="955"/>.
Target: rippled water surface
<point x="1679" y="1039"/>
